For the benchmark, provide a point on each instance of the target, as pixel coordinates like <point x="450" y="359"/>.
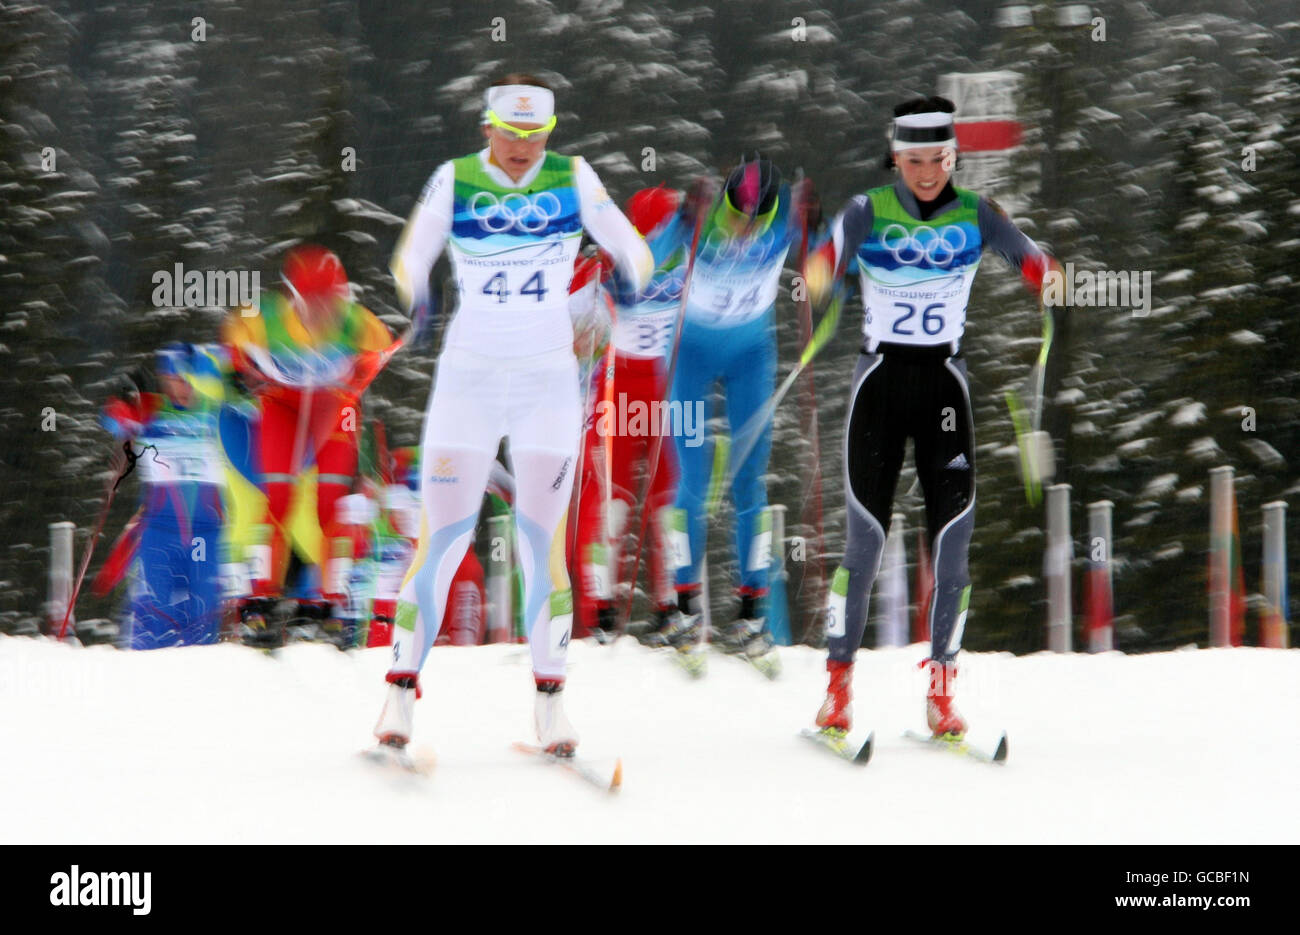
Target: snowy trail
<point x="225" y="744"/>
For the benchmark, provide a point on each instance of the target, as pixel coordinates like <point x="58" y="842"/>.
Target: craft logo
<point x="559" y="479"/>
<point x="443" y="472"/>
<point x="102" y="889"/>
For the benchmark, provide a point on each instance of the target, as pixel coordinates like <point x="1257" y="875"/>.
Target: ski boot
<point x="679" y="631"/>
<point x="731" y="639"/>
<point x="554" y="732"/>
<point x="230" y="622"/>
<point x="394" y="727"/>
<point x="604" y="630"/>
<point x="836" y="713"/>
<point x="336" y="626"/>
<point x="307" y="619"/>
<point x="751" y="640"/>
<point x="647" y="632"/>
<point x="257" y="626"/>
<point x="339" y="632"/>
<point x="684" y="631"/>
<point x="940" y="714"/>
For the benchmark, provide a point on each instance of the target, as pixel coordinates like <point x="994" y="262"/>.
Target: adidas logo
<point x="959" y="463"/>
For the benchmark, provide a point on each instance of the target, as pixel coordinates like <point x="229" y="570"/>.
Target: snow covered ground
<point x="226" y="744"/>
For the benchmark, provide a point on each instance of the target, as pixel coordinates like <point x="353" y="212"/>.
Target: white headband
<point x="916" y="131"/>
<point x="520" y="103"/>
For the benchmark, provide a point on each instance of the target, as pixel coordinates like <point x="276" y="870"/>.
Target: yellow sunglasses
<point x="760" y="223"/>
<point x="514" y="132"/>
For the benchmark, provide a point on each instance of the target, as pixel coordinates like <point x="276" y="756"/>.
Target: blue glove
<point x="423" y="314"/>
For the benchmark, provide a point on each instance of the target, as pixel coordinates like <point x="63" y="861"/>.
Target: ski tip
<point x="616" y="781"/>
<point x="1000" y="754"/>
<point x="864" y="753"/>
<point x="420" y="762"/>
<point x="694" y="664"/>
<point x="424" y="763"/>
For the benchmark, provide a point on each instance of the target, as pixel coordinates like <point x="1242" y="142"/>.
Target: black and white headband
<point x="914" y="131"/>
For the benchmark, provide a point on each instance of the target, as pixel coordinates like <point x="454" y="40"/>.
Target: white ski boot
<point x="394" y="727"/>
<point x="554" y="732"/>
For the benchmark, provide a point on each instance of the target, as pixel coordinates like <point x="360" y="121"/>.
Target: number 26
<point x="930" y="324"/>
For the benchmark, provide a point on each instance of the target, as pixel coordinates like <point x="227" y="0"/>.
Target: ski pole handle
<point x="825" y="329"/>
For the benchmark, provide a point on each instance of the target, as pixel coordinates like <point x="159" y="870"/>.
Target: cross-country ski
<point x="588" y="772"/>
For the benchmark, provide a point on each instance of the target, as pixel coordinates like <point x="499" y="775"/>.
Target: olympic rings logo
<point x="664" y="286"/>
<point x="719" y="248"/>
<point x="514" y="211"/>
<point x="938" y="247"/>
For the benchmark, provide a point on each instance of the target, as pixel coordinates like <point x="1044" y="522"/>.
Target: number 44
<point x="498" y="286"/>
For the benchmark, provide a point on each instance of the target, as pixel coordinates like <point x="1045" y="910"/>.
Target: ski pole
<point x="128" y="466"/>
<point x="750" y="432"/>
<point x="587" y="412"/>
<point x="812" y="432"/>
<point x="608" y="441"/>
<point x="1036" y="458"/>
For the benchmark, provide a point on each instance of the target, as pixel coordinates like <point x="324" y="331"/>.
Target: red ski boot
<point x="940" y="713"/>
<point x="837" y="711"/>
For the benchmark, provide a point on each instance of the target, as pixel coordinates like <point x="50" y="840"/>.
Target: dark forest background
<point x="220" y="154"/>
